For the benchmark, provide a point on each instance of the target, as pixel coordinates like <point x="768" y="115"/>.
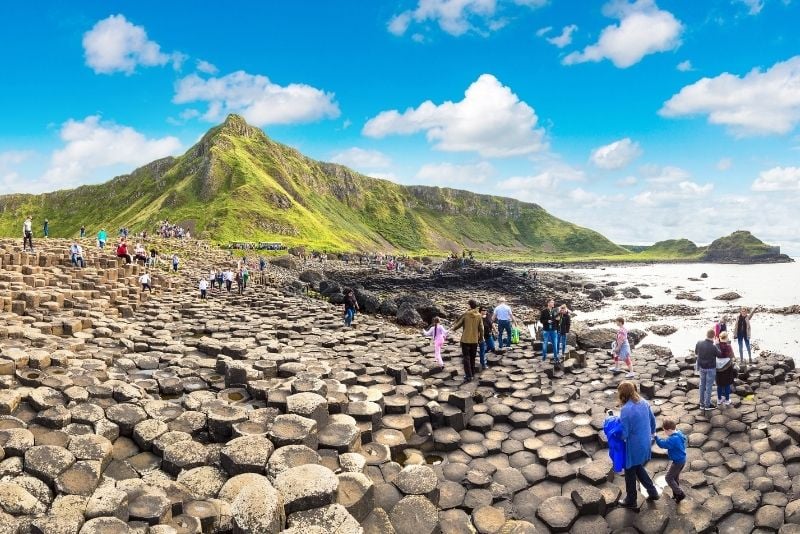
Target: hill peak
<point x="237" y="125"/>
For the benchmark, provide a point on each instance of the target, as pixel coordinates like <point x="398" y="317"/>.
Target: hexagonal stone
<point x="150" y="508"/>
<point x="558" y="513"/>
<point x="91" y="447"/>
<point x="126" y="416"/>
<point x="290" y="456"/>
<point x="16" y="500"/>
<point x="307" y="486"/>
<point x="309" y="405"/>
<point x="488" y="519"/>
<point x="769" y="517"/>
<point x="104" y="525"/>
<point x="560" y="471"/>
<point x="746" y="501"/>
<point x="47" y="462"/>
<point x="589" y="500"/>
<point x="331" y="518"/>
<point x="416" y="480"/>
<point x="651" y="520"/>
<point x="511" y="478"/>
<point x="736" y="524"/>
<point x="415" y="514"/>
<point x="184" y="455"/>
<point x="596" y="471"/>
<point x="357" y="494"/>
<point x="247" y="454"/>
<point x="593" y="524"/>
<point x="203" y="482"/>
<point x="293" y="429"/>
<point x="341" y="437"/>
<point x="550" y="453"/>
<point x="81" y="478"/>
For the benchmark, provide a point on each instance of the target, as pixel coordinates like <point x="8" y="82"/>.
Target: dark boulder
<point x="407" y="315"/>
<point x="367" y="301"/>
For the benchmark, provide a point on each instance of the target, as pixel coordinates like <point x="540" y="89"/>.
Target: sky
<point x="644" y="120"/>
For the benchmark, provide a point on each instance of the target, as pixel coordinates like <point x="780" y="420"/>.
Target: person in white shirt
<point x="212" y="278"/>
<point x="139" y="253"/>
<point x="504" y="317"/>
<point x="145" y="281"/>
<point x="76" y="255"/>
<point x="27" y="234"/>
<point x="229" y="277"/>
<point x="203" y="288"/>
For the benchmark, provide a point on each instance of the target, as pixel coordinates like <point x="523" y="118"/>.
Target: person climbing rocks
<point x="350" y="307"/>
<point x="245" y="276"/>
<point x="438" y="334"/>
<point x="46" y="228"/>
<point x="203" y="288"/>
<point x="76" y="255"/>
<point x="638" y="427"/>
<point x="220" y="279"/>
<point x="504" y="317"/>
<point x="27" y="234"/>
<point x="487" y="343"/>
<point x="549" y="320"/>
<point x="621" y="349"/>
<point x="229" y="276"/>
<point x="742" y="334"/>
<point x="726" y="370"/>
<point x="212" y="278"/>
<point x="472" y="323"/>
<point x="563" y="329"/>
<point x="707" y="354"/>
<point x="175" y="262"/>
<point x="102" y="237"/>
<point x="145" y="281"/>
<point x="675" y="445"/>
<point x="239" y="281"/>
<point x="83" y="231"/>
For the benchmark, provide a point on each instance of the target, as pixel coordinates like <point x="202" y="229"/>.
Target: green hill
<point x="237" y="184"/>
<point x="742" y="247"/>
<point x="673" y="249"/>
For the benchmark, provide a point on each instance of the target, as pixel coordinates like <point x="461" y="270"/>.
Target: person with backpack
<point x="350" y="307"/>
<point x="472" y="323"/>
<point x="638" y="427"/>
<point x="675" y="444"/>
<point x="726" y="370"/>
<point x="549" y="320"/>
<point x="504" y="317"/>
<point x="438" y="334"/>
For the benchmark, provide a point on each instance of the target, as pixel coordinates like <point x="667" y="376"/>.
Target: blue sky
<point x="644" y="119"/>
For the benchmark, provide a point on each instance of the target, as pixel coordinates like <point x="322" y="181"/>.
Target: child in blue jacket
<point x="675" y="444"/>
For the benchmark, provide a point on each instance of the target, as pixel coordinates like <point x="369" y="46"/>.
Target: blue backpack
<point x="616" y="445"/>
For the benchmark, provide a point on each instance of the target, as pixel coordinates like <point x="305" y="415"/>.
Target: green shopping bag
<point x="514" y="335"/>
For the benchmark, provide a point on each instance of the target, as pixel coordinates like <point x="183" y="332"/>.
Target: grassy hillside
<point x="236" y="184"/>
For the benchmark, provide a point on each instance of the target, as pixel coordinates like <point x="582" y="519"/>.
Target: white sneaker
<point x="630" y="375"/>
<point x="613" y="368"/>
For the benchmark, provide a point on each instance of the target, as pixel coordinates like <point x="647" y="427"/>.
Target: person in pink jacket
<point x="439" y="335"/>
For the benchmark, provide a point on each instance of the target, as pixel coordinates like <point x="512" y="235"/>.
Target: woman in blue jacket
<point x="638" y="427"/>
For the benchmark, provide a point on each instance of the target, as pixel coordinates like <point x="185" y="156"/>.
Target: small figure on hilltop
<point x="621" y="349"/>
<point x="549" y="320"/>
<point x="102" y="237"/>
<point x="638" y="427"/>
<point x="726" y="370"/>
<point x="743" y="332"/>
<point x="504" y="317"/>
<point x="350" y="307"/>
<point x="438" y="334"/>
<point x="472" y="323"/>
<point x="203" y="288"/>
<point x="76" y="255"/>
<point x="564" y="322"/>
<point x="175" y="262"/>
<point x="146" y="282"/>
<point x="675" y="445"/>
<point x="707" y="354"/>
<point x="27" y="234"/>
<point x="83" y="231"/>
<point x="487" y="343"/>
<point x="46" y="228"/>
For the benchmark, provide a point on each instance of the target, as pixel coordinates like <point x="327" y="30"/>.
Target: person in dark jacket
<point x="549" y="320"/>
<point x="563" y="329"/>
<point x="707" y="354"/>
<point x="487" y="344"/>
<point x="472" y="323"/>
<point x="350" y="307"/>
<point x="726" y="370"/>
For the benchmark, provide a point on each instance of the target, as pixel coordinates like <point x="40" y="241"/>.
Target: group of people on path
<point x="225" y="279"/>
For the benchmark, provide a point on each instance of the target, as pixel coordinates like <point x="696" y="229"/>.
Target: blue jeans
<point x="562" y="344"/>
<point x="349" y="315"/>
<point x="503" y="325"/>
<point x="746" y="342"/>
<point x="707" y="377"/>
<point x="724" y="392"/>
<point x="484" y="347"/>
<point x="638" y="472"/>
<point x="549" y="337"/>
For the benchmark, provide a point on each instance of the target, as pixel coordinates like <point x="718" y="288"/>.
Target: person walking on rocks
<point x="102" y="237"/>
<point x="239" y="281"/>
<point x="638" y="427"/>
<point x="564" y="321"/>
<point x="621" y="349"/>
<point x="46" y="228"/>
<point x="203" y="288"/>
<point x="220" y="279"/>
<point x="27" y="234"/>
<point x="175" y="262"/>
<point x="504" y="317"/>
<point x="212" y="278"/>
<point x="743" y="332"/>
<point x="472" y="323"/>
<point x="675" y="445"/>
<point x="726" y="370"/>
<point x="438" y="334"/>
<point x="145" y="281"/>
<point x="707" y="354"/>
<point x="487" y="343"/>
<point x="229" y="276"/>
<point x="153" y="257"/>
<point x="549" y="320"/>
<point x="83" y="231"/>
<point x="245" y="276"/>
<point x="350" y="307"/>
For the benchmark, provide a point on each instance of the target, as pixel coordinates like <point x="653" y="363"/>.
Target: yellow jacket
<point x="472" y="322"/>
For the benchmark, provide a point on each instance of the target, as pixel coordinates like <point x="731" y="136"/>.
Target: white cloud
<point x="778" y="179"/>
<point x="643" y="29"/>
<point x="454" y="175"/>
<point x="491" y="120"/>
<point x="92" y="144"/>
<point x="758" y="103"/>
<point x="685" y="66"/>
<point x="116" y="45"/>
<point x="541" y="32"/>
<point x="724" y="164"/>
<point x="457" y="17"/>
<point x="672" y="195"/>
<point x="628" y="181"/>
<point x="616" y="155"/>
<point x="10" y="158"/>
<point x="565" y="38"/>
<point x="754" y="6"/>
<point x="553" y="175"/>
<point x="205" y="66"/>
<point x="359" y="158"/>
<point x="258" y="99"/>
<point x="664" y="175"/>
